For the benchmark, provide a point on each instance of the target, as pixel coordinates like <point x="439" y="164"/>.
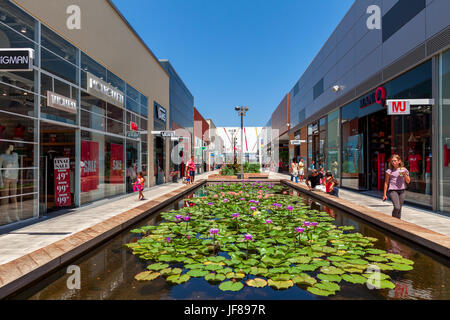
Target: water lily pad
<point x="380" y="284"/>
<point x="280" y="284"/>
<point x="300" y="259"/>
<point x="216" y="259"/>
<point x="147" y="276"/>
<point x="178" y="279"/>
<point x="329" y="277"/>
<point x="235" y="275"/>
<point x="375" y="251"/>
<point x="213" y="267"/>
<point x="320" y="262"/>
<point x="258" y="271"/>
<point x="335" y="258"/>
<point x="401" y="267"/>
<point x="257" y="283"/>
<point x="157" y="266"/>
<point x="231" y="286"/>
<point x="304" y="279"/>
<point x="167" y="258"/>
<point x="354" y="278"/>
<point x="331" y="270"/>
<point x="194" y="266"/>
<point x="327" y="286"/>
<point x="170" y="271"/>
<point x="320" y="292"/>
<point x="281" y="277"/>
<point x="382" y="266"/>
<point x="357" y="261"/>
<point x="402" y="261"/>
<point x="306" y="267"/>
<point x="376" y="258"/>
<point x="197" y="273"/>
<point x="215" y="277"/>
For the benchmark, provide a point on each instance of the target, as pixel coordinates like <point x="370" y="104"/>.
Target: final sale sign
<point x="62" y="182"/>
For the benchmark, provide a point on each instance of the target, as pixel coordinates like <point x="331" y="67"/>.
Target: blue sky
<point x="236" y="52"/>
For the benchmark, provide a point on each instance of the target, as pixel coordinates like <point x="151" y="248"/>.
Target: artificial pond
<point x="262" y="241"/>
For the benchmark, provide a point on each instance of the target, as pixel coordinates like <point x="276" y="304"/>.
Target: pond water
<point x="108" y="271"/>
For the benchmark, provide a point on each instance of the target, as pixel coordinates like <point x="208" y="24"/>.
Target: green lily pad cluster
<point x="264" y="238"/>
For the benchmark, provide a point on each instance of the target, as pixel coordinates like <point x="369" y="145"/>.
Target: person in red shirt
<point x="190" y="167"/>
<point x="331" y="185"/>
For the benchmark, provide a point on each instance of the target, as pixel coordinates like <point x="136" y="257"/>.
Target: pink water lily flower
<point x="248" y="237"/>
<point x="299" y="230"/>
<point x="214" y="231"/>
<point x="235" y="215"/>
<point x="268" y="221"/>
<point x="253" y="208"/>
<point x="289" y="208"/>
<point x="187" y="218"/>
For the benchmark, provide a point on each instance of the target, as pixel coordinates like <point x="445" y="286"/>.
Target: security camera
<point x="336" y="88"/>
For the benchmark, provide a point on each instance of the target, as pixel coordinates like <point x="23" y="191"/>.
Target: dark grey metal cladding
<point x="399" y="15"/>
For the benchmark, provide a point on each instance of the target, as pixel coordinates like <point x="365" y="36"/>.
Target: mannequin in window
<point x="414" y="167"/>
<point x="428" y="171"/>
<point x="9" y="173"/>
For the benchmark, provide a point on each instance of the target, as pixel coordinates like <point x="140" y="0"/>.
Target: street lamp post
<point x="241" y="111"/>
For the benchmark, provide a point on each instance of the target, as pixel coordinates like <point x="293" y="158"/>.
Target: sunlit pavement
<point x="19" y="242"/>
<point x="421" y="217"/>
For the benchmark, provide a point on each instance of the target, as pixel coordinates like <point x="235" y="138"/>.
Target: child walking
<point x="140" y="184"/>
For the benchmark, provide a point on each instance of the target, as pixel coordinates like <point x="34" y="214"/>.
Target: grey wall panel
<point x="345" y="44"/>
<point x="330" y="78"/>
<point x="408" y="37"/>
<point x="369" y="66"/>
<point x="348" y="81"/>
<point x="346" y="63"/>
<point x="370" y="42"/>
<point x="437" y="17"/>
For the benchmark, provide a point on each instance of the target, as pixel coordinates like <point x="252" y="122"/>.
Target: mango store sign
<point x="103" y="90"/>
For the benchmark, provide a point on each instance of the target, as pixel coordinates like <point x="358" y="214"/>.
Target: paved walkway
<point x="421" y="217"/>
<point x="19" y="242"/>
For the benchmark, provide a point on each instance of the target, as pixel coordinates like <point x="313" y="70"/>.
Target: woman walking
<point x="294" y="171"/>
<point x="397" y="176"/>
<point x="301" y="170"/>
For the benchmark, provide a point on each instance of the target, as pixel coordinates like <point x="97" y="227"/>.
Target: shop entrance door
<point x="378" y="149"/>
<point x="57" y="168"/>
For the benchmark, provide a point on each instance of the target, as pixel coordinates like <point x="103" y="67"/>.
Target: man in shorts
<point x="190" y="168"/>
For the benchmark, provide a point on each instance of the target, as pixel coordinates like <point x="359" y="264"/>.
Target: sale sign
<point x="62" y="182"/>
<point x="89" y="166"/>
<point x="116" y="164"/>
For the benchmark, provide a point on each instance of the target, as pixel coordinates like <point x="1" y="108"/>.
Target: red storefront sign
<point x="116" y="164"/>
<point x="89" y="169"/>
<point x="381" y="170"/>
<point x="62" y="182"/>
<point x="134" y="126"/>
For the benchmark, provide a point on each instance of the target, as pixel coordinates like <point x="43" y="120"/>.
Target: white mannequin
<point x="8" y="178"/>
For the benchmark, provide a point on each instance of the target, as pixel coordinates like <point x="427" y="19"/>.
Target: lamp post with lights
<point x="241" y="111"/>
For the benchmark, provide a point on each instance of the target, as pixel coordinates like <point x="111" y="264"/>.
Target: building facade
<point x="181" y="121"/>
<point x="200" y="142"/>
<point x="341" y="100"/>
<point x="74" y="127"/>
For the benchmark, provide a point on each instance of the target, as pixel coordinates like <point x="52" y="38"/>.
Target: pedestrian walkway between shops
<point x="421" y="217"/>
<point x="19" y="242"/>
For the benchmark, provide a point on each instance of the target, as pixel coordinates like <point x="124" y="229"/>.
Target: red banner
<point x="381" y="171"/>
<point x="89" y="170"/>
<point x="116" y="164"/>
<point x="62" y="182"/>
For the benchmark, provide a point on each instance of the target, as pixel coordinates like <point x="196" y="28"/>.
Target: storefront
<point x="159" y="143"/>
<point x="66" y="126"/>
<point x="370" y="136"/>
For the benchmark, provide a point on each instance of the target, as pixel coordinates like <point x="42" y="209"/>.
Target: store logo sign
<point x="378" y="97"/>
<point x="133" y="126"/>
<point x="60" y="102"/>
<point x="161" y="113"/>
<point x="16" y="59"/>
<point x="104" y="91"/>
<point x="398" y="107"/>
